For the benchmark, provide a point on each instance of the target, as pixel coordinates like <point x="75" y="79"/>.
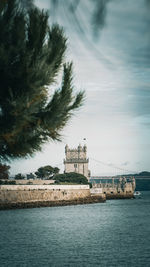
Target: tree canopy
<point x="19" y="176"/>
<point x="31" y="57"/>
<point x="46" y="172"/>
<point x="71" y="177"/>
<point x="30" y="176"/>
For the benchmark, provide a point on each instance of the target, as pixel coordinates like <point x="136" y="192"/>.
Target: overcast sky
<point x="112" y="64"/>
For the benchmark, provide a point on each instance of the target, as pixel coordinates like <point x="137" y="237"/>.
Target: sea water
<point x="115" y="233"/>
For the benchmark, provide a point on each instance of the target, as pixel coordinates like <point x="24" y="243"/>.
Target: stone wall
<point x="30" y="193"/>
<point x="121" y="189"/>
<point x="78" y="167"/>
<point x="111" y="193"/>
<point x="114" y="190"/>
<point x="96" y="191"/>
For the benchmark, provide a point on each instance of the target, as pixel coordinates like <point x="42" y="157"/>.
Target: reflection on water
<point x="115" y="233"/>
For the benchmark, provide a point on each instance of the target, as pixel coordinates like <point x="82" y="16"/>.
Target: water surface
<point x="115" y="233"/>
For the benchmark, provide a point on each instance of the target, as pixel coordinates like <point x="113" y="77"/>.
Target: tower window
<point x="75" y="165"/>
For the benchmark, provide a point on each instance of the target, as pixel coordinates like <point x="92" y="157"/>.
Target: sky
<point x="109" y="44"/>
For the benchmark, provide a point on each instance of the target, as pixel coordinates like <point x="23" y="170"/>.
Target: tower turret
<point x="85" y="148"/>
<point x="79" y="148"/>
<point x="66" y="149"/>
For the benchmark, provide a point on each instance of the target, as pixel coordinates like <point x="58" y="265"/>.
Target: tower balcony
<point x="76" y="161"/>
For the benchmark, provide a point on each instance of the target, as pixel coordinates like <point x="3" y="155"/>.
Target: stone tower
<point x="76" y="160"/>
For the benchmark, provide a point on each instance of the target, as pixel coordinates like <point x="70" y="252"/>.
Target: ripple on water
<point x="115" y="233"/>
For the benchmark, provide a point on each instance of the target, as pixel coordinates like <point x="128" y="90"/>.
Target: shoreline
<point x="60" y="203"/>
<point x="36" y="196"/>
<point x="40" y="204"/>
<point x="119" y="196"/>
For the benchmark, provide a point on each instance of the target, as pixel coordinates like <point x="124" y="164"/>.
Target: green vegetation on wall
<point x="72" y="177"/>
<point x="7" y="182"/>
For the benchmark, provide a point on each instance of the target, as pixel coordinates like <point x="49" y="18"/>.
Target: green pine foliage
<point x="46" y="172"/>
<point x="31" y="57"/>
<point x="7" y="182"/>
<point x="19" y="176"/>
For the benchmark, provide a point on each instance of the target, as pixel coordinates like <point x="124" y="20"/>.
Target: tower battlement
<point x="79" y="153"/>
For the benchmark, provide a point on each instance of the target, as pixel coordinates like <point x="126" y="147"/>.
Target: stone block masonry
<point x="27" y="193"/>
<point x="76" y="160"/>
<point x="121" y="189"/>
<point x="18" y="196"/>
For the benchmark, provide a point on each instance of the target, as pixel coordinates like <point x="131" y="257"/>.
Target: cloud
<point x="138" y="163"/>
<point x="125" y="163"/>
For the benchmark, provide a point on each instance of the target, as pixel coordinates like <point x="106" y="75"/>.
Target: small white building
<point x="76" y="160"/>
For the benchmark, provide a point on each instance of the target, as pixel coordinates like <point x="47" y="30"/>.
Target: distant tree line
<point x="46" y="172"/>
<point x="140" y="174"/>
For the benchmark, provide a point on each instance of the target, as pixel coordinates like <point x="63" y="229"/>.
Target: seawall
<point x="122" y="195"/>
<point x="24" y="196"/>
<point x="111" y="193"/>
